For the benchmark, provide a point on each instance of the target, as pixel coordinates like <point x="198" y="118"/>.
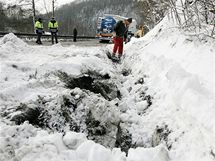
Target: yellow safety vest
<point x="38" y="25"/>
<point x="53" y="25"/>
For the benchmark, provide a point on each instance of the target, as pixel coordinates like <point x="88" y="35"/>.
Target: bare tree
<point x="196" y="14"/>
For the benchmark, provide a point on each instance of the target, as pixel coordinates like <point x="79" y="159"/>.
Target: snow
<point x="73" y="140"/>
<point x="178" y="74"/>
<point x="144" y="154"/>
<point x="181" y="73"/>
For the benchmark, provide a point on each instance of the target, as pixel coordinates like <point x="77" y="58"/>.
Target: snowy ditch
<point x="73" y="104"/>
<point x="99" y="121"/>
<point x="59" y="91"/>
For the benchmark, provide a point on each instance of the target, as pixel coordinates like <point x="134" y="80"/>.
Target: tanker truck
<point x="105" y="25"/>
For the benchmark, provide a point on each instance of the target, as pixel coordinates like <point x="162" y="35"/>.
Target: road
<point x="89" y="42"/>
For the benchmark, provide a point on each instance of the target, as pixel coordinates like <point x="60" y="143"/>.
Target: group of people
<point x="53" y="29"/>
<point x="52" y="26"/>
<point x="120" y="29"/>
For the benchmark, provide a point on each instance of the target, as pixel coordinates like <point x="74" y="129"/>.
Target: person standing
<point x="39" y="30"/>
<point x="75" y="33"/>
<point x="53" y="28"/>
<point x="121" y="30"/>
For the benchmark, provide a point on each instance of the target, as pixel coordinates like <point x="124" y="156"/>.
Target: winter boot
<point x="113" y="55"/>
<point x="120" y="56"/>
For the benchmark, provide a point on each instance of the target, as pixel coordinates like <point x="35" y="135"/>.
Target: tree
<point x="84" y="14"/>
<point x="3" y="17"/>
<point x="198" y="15"/>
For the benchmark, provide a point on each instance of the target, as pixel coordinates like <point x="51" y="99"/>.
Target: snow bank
<point x="11" y="44"/>
<point x="158" y="153"/>
<point x="11" y="39"/>
<point x="180" y="72"/>
<point x="27" y="143"/>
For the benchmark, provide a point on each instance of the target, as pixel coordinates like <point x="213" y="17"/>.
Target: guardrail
<point x="46" y="36"/>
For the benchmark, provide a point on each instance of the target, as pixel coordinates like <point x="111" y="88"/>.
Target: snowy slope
<point x="167" y="102"/>
<point x="181" y="74"/>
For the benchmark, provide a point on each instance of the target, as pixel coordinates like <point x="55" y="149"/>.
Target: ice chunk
<point x="72" y="139"/>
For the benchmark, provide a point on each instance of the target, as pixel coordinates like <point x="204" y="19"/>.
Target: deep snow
<point x="175" y="70"/>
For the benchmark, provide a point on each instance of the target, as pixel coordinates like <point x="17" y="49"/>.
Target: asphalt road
<point x="88" y="42"/>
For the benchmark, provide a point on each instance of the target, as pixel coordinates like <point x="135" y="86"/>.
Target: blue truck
<point x="105" y="26"/>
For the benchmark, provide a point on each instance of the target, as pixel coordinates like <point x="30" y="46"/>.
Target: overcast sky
<point x="41" y="5"/>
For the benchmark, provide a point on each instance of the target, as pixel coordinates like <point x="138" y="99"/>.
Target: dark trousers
<point x="74" y="38"/>
<point x="39" y="35"/>
<point x="54" y="35"/>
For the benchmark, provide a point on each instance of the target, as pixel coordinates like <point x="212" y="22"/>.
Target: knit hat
<point x="129" y="20"/>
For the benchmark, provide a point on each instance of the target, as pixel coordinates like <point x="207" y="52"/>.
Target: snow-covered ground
<point x="167" y="99"/>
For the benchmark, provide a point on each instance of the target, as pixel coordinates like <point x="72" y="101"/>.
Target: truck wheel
<point x="104" y="41"/>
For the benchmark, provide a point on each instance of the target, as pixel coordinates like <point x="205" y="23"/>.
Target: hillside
<point x="81" y="14"/>
<point x="84" y="15"/>
<point x="40" y="5"/>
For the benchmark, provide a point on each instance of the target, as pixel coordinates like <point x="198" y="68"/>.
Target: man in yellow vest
<point x="53" y="28"/>
<point x="39" y="30"/>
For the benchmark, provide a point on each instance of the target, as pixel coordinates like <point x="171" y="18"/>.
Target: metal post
<point x="52" y="8"/>
<point x="34" y="13"/>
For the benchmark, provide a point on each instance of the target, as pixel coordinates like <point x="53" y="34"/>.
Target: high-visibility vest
<point x="38" y="25"/>
<point x="53" y="25"/>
